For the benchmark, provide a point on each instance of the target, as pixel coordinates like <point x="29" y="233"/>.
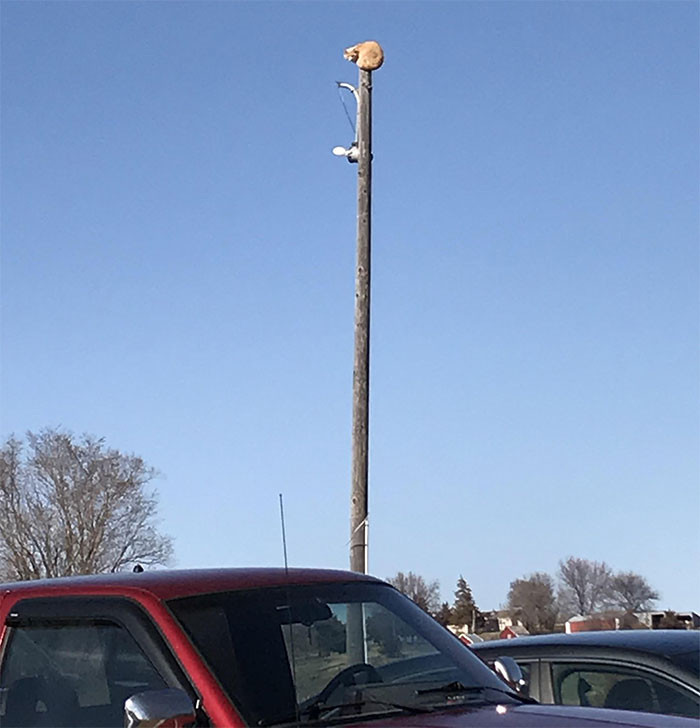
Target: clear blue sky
<point x="178" y="252"/>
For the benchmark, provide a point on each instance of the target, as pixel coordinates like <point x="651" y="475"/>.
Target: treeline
<point x="426" y="594"/>
<point x="538" y="600"/>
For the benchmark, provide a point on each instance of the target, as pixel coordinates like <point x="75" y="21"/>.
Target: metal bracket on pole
<point x="351" y="153"/>
<point x="350" y="87"/>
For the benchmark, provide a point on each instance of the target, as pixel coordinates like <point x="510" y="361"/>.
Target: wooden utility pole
<point x="368" y="56"/>
<point x="359" y="503"/>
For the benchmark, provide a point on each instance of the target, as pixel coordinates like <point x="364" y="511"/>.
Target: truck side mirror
<point x="169" y="708"/>
<point x="508" y="670"/>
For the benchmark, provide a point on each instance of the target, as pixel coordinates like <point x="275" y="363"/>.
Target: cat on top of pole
<point x="368" y="56"/>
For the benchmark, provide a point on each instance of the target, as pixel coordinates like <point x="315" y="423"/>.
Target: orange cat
<point x="369" y="55"/>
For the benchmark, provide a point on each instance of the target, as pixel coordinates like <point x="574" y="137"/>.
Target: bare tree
<point x="632" y="592"/>
<point x="532" y="600"/>
<point x="70" y="506"/>
<point x="584" y="585"/>
<point x="425" y="594"/>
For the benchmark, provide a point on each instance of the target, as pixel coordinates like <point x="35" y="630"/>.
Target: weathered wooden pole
<point x="368" y="56"/>
<point x="359" y="503"/>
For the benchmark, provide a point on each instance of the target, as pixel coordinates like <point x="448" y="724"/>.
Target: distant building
<point x="652" y="619"/>
<point x="591" y="623"/>
<point x="460" y="630"/>
<point x="506" y="620"/>
<point x="512" y="631"/>
<point x="625" y="620"/>
<point x="488" y="621"/>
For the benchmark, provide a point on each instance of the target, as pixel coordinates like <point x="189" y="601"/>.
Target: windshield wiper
<point x="317" y="710"/>
<point x="457" y="687"/>
<point x="369" y="700"/>
<point x="452" y="687"/>
<point x="455" y="693"/>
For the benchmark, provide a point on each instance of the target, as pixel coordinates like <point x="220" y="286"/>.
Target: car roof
<point x="173" y="583"/>
<point x="660" y="641"/>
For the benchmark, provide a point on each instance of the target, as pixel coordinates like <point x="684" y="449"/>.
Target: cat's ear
<point x="351" y="54"/>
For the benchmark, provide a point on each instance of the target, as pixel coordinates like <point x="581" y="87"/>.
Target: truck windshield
<point x="317" y="652"/>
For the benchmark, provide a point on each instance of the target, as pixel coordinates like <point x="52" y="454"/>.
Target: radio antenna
<point x="290" y="612"/>
<point x="284" y="536"/>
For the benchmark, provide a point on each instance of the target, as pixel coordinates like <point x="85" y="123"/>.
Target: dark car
<point x="655" y="671"/>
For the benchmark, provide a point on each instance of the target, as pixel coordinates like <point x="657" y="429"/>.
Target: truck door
<point x="73" y="662"/>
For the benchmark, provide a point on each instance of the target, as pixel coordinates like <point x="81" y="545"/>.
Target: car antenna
<point x="284" y="537"/>
<point x="289" y="607"/>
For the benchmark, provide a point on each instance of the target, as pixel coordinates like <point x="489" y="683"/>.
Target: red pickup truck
<point x="250" y="647"/>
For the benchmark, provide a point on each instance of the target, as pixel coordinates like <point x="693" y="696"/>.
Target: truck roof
<point x="173" y="583"/>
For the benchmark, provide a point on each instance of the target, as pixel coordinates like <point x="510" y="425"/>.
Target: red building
<point x="512" y="631"/>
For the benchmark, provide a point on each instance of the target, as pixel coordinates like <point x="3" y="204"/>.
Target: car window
<point x="526" y="668"/>
<point x="673" y="701"/>
<point x="75" y="674"/>
<point x="621" y="688"/>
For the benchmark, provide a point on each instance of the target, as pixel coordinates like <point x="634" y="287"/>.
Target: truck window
<point x="72" y="674"/>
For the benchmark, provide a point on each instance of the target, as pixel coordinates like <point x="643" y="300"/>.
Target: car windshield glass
<point x="313" y="653"/>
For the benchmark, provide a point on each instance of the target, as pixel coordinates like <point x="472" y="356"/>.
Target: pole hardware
<point x="351" y="153"/>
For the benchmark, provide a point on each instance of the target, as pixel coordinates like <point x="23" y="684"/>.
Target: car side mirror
<point x="508" y="670"/>
<point x="169" y="708"/>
